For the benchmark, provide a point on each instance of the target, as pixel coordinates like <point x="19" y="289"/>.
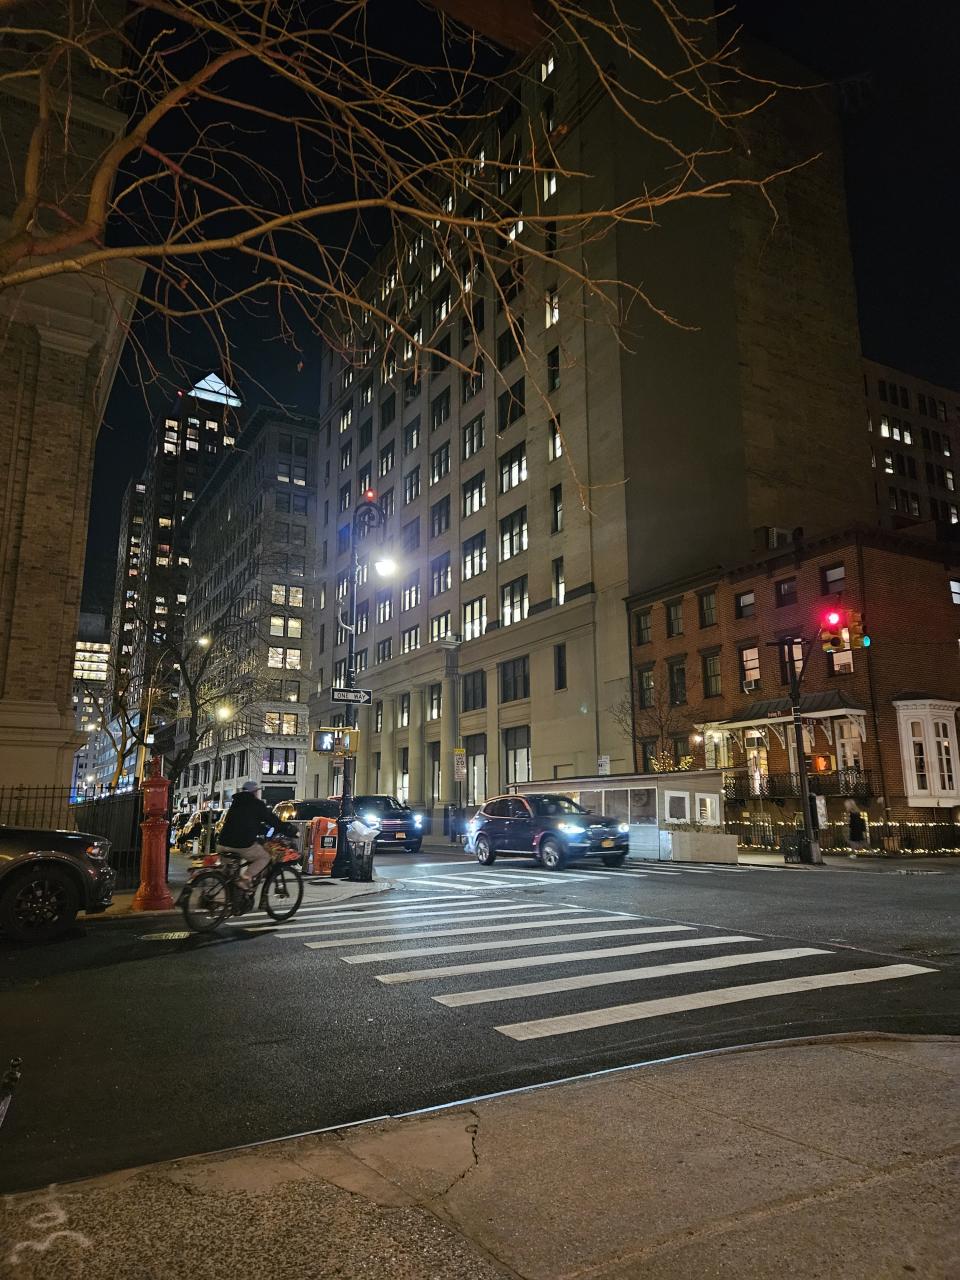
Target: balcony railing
<point x="740" y="786"/>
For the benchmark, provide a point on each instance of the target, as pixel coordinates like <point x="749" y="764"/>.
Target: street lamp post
<point x="368" y="515"/>
<point x="222" y="715"/>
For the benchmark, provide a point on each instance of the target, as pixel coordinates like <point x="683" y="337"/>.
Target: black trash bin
<point x="795" y="846"/>
<point x="361" y="857"/>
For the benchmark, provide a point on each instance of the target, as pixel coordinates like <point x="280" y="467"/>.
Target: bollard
<point x="153" y="894"/>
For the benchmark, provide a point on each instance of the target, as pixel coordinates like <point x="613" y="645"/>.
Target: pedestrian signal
<point x="336" y="741"/>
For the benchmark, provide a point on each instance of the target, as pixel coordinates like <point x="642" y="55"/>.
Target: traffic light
<point x="858" y="637"/>
<point x="831" y="631"/>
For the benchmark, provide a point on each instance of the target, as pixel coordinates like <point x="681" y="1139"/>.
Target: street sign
<point x="363" y="697"/>
<point x="459" y="764"/>
<point x="603" y="766"/>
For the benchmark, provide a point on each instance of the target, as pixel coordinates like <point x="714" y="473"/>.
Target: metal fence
<point x="115" y="817"/>
<point x="883" y="837"/>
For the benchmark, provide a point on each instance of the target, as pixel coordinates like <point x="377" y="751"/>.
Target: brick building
<point x="914" y="428"/>
<point x="518" y="543"/>
<point x="711" y="656"/>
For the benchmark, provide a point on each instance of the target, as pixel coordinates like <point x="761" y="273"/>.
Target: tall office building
<point x="91" y="670"/>
<point x="574" y="460"/>
<point x="252" y="598"/>
<point x="914" y="432"/>
<point x="186" y="445"/>
<point x="128" y="587"/>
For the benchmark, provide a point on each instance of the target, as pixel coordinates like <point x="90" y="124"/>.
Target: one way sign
<point x="363" y="697"/>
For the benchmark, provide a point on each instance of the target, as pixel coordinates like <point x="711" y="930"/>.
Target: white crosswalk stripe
<point x="460" y="932"/>
<point x="400" y="921"/>
<point x="564" y="1024"/>
<point x="318" y="916"/>
<point x="558" y="957"/>
<point x="502" y="944"/>
<point x="584" y="980"/>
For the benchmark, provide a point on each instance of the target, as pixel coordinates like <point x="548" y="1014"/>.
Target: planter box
<point x="698" y="846"/>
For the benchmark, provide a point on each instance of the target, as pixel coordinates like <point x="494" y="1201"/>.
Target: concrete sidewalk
<point x="834" y="1159"/>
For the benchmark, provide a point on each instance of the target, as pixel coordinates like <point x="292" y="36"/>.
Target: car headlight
<point x="371" y="819"/>
<point x="97" y="851"/>
<point x="418" y="819"/>
<point x="624" y="828"/>
<point x="571" y="828"/>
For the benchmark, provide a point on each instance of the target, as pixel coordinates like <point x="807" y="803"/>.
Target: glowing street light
<point x="386" y="566"/>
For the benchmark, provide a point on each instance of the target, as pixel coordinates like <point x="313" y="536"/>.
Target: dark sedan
<point x="400" y="827"/>
<point x="552" y="829"/>
<point x="46" y="877"/>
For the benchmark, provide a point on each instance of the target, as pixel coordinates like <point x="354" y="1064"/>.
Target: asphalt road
<point x="140" y="1044"/>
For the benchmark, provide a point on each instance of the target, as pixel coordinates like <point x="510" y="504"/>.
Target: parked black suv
<point x="46" y="877"/>
<point x="400" y="826"/>
<point x="553" y="829"/>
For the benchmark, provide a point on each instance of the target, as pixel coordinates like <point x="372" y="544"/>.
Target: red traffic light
<point x="832" y="619"/>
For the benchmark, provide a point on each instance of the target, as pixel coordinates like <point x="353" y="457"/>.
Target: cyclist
<point x="241" y="827"/>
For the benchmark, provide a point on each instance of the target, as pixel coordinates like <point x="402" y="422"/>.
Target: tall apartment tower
<point x="582" y="460"/>
<point x="252" y="597"/>
<point x="186" y="446"/>
<point x="128" y="586"/>
<point x="91" y="672"/>
<point x="914" y="432"/>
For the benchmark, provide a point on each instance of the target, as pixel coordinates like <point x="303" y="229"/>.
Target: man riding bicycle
<point x="241" y="827"/>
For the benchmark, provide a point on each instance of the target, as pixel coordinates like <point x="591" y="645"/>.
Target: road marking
<point x="402" y="879"/>
<point x="449" y="917"/>
<point x="559" y="957"/>
<point x="503" y="943"/>
<point x="583" y="980"/>
<point x="382" y="913"/>
<point x="565" y="1024"/>
<point x="461" y="931"/>
<point x="379" y="904"/>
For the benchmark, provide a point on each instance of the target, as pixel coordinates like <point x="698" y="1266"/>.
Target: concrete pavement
<point x="830" y="1159"/>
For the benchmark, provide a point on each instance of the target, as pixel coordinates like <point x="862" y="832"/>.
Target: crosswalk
<point x="472" y="955"/>
<point x="471" y="876"/>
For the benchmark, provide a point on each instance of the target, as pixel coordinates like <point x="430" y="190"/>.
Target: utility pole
<point x="809" y="835"/>
<point x="367" y="515"/>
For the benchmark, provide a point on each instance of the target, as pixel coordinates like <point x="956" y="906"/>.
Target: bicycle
<point x="213" y="894"/>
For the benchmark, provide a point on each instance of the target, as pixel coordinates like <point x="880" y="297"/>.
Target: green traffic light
<point x="866" y="642"/>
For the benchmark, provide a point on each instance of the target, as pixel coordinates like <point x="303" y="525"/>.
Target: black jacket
<point x="246" y="815"/>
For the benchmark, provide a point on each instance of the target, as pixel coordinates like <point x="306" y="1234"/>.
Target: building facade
<point x="251" y="600"/>
<point x="914" y="430"/>
<point x="128" y="587"/>
<point x="539" y="462"/>
<point x="61" y="339"/>
<point x="91" y="679"/>
<point x="711" y="658"/>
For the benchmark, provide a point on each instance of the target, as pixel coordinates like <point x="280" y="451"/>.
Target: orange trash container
<point x="323" y="845"/>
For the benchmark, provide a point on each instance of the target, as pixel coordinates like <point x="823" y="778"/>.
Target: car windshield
<point x="550" y="806"/>
<point x="379" y="803"/>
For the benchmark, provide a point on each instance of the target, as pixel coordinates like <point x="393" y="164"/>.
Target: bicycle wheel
<point x="206" y="902"/>
<point x="282" y="891"/>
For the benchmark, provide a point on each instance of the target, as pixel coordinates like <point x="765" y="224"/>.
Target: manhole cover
<point x="177" y="936"/>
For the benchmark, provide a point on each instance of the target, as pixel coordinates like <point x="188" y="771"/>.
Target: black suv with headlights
<point x="400" y="827"/>
<point x="46" y="877"/>
<point x="553" y="829"/>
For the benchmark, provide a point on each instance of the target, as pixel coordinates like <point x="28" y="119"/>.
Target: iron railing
<point x="761" y="832"/>
<point x="114" y="816"/>
<point x="742" y="786"/>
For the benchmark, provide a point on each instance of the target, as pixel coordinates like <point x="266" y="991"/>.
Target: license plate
<point x="607" y="844"/>
<point x="399" y="835"/>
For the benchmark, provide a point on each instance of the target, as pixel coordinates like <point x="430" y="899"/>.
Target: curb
<point x="129" y="914"/>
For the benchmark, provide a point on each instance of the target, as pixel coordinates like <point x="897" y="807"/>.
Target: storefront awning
<point x="813" y="706"/>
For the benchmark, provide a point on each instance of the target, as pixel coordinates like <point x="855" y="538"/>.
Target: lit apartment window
<point x="411" y="485"/>
<point x="366" y="393"/>
<point x="832" y="579"/>
<point x="440" y="409"/>
<point x="440" y="576"/>
<point x="410" y="594"/>
<point x="552" y="307"/>
<point x="546" y="67"/>
<point x="474" y="619"/>
<point x="473" y="437"/>
<point x="384" y="652"/>
<point x="387" y="454"/>
<point x="346" y="456"/>
<point x="434" y="701"/>
<point x="516" y="755"/>
<point x="440" y="626"/>
<point x="555" y="442"/>
<point x="556" y="509"/>
<point x="279" y="657"/>
<point x="549" y="184"/>
<point x="346" y="419"/>
<point x="514" y="601"/>
<point x="410" y="639"/>
<point x="411" y="435"/>
<point x="749" y="665"/>
<point x="559" y="582"/>
<point x="712" y="686"/>
<point x="513" y="534"/>
<point x="440" y="463"/>
<point x="641" y="627"/>
<point x="513" y="468"/>
<point x="745" y="604"/>
<point x="474" y="555"/>
<point x="474" y="493"/>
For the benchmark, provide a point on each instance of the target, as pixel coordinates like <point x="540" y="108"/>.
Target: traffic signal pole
<point x="810" y="836"/>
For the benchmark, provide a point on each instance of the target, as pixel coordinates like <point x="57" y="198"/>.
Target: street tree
<point x="658" y="725"/>
<point x="271" y="148"/>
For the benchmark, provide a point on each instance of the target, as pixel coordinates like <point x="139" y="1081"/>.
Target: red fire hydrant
<point x="153" y="894"/>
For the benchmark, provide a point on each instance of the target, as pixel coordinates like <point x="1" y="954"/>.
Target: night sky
<point x="896" y="64"/>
